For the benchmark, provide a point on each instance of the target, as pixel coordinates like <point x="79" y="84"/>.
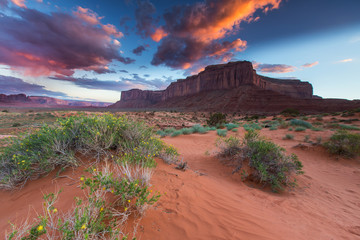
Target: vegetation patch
<point x="344" y="143"/>
<point x="39" y="152"/>
<point x="301" y="123"/>
<point x="216" y="118"/>
<point x="252" y="126"/>
<point x="267" y="161"/>
<point x="221" y="132"/>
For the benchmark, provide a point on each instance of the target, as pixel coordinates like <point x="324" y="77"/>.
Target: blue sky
<point x="92" y="50"/>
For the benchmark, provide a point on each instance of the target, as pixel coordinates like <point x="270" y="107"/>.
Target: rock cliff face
<point x="234" y="86"/>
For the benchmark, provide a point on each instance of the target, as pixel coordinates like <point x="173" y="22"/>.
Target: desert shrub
<point x="252" y="126"/>
<point x="348" y="127"/>
<point x="269" y="165"/>
<point x="272" y="128"/>
<point x="318" y="140"/>
<point x="344" y="143"/>
<point x="111" y="197"/>
<point x="161" y="133"/>
<point x="230" y="126"/>
<point x="5" y="111"/>
<point x="317" y="129"/>
<point x="319" y="118"/>
<point x="16" y="125"/>
<point x="177" y="133"/>
<point x="39" y="152"/>
<point x="290" y="112"/>
<point x="301" y="123"/>
<point x="187" y="131"/>
<point x="235" y="130"/>
<point x="288" y="137"/>
<point x="300" y="129"/>
<point x="221" y="132"/>
<point x="199" y="129"/>
<point x="216" y="118"/>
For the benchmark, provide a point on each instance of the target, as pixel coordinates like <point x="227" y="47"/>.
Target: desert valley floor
<point x="207" y="201"/>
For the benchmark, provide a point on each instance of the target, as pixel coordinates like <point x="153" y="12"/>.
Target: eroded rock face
<point x="13" y="98"/>
<point x="233" y="75"/>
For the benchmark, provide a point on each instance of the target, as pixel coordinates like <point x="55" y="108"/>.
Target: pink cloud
<point x="58" y="43"/>
<point x="273" y="68"/>
<point x="309" y="65"/>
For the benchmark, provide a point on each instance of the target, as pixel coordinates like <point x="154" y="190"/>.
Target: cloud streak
<point x="345" y="60"/>
<point x="310" y="65"/>
<point x="273" y="68"/>
<point x="138" y="51"/>
<point x="192" y="34"/>
<point x="13" y="85"/>
<point x="124" y="83"/>
<point x="44" y="44"/>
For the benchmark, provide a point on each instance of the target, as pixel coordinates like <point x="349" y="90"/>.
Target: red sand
<point x="208" y="202"/>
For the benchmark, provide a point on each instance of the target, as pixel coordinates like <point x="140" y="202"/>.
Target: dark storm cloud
<point x="138" y="51"/>
<point x="145" y="22"/>
<point x="43" y="44"/>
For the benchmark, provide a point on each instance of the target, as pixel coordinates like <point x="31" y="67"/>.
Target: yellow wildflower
<point x="101" y="209"/>
<point x="40" y="228"/>
<point x="125" y="209"/>
<point x="55" y="210"/>
<point x="129" y="200"/>
<point x="83" y="226"/>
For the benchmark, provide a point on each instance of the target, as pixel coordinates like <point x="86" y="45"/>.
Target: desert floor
<point x="207" y="201"/>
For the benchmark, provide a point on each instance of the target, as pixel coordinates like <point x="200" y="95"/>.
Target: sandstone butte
<point x="41" y="101"/>
<point x="233" y="87"/>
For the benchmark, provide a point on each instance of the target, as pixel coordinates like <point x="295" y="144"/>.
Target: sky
<point x="94" y="49"/>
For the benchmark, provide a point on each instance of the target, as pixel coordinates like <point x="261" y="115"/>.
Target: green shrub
<point x="317" y="129"/>
<point x="348" y="127"/>
<point x="187" y="131"/>
<point x="267" y="160"/>
<point x="5" y="111"/>
<point x="272" y="128"/>
<point x="252" y="126"/>
<point x="344" y="143"/>
<point x="221" y="132"/>
<point x="177" y="133"/>
<point x="288" y="137"/>
<point x="39" y="152"/>
<point x="230" y="126"/>
<point x="216" y="118"/>
<point x="301" y="123"/>
<point x="199" y="129"/>
<point x="235" y="130"/>
<point x="300" y="129"/>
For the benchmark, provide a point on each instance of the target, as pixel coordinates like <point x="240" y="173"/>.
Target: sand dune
<point x="208" y="202"/>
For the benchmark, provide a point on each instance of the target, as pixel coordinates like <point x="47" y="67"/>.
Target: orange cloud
<point x="158" y="34"/>
<point x="309" y="65"/>
<point x="19" y="3"/>
<point x="194" y="32"/>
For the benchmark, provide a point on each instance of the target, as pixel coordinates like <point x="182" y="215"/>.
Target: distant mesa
<point x="21" y="100"/>
<point x="233" y="87"/>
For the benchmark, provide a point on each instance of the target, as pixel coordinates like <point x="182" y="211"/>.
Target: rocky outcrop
<point x="233" y="87"/>
<point x="13" y="98"/>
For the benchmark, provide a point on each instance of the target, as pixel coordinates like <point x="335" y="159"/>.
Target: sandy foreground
<point x="207" y="201"/>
